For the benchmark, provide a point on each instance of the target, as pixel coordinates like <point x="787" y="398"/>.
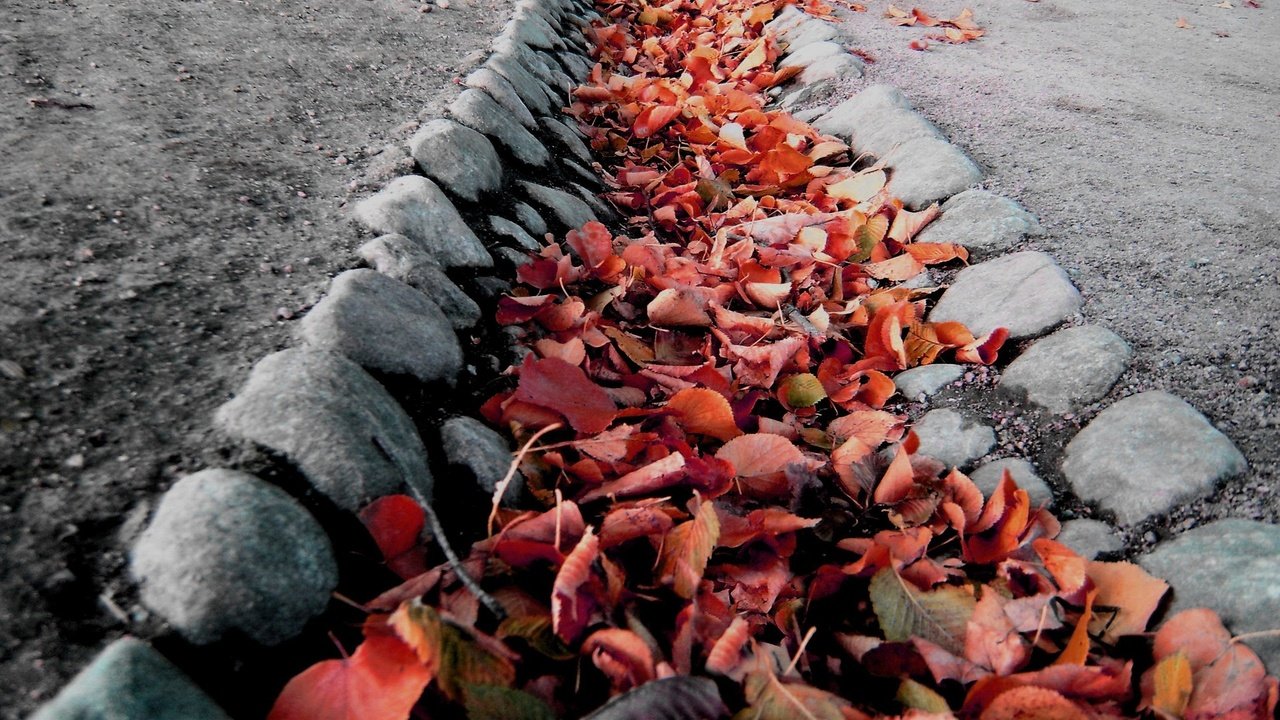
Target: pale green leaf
<point x="939" y="616"/>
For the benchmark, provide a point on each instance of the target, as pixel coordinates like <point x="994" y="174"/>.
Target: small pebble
<point x="283" y="313"/>
<point x="442" y="4"/>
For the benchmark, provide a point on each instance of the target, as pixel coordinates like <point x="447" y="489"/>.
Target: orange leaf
<point x="571" y="606"/>
<point x="1131" y="591"/>
<point x="898" y="480"/>
<point x="1077" y="649"/>
<point x="383" y="679"/>
<point x="705" y="412"/>
<point x="902" y="267"/>
<point x="759" y="454"/>
<point x="654" y="118"/>
<point x="727" y="651"/>
<point x="1028" y="703"/>
<point x="687" y="548"/>
<point x="1173" y="685"/>
<point x="623" y="656"/>
<point x="1066" y="567"/>
<point x="934" y="253"/>
<point x="679" y="306"/>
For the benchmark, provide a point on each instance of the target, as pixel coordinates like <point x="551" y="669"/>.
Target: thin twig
<point x="1257" y="635"/>
<point x="500" y="489"/>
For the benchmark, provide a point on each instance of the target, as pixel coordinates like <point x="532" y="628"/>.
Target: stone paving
<point x="211" y="560"/>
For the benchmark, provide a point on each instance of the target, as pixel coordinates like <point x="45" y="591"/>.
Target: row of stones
<point x="226" y="552"/>
<point x="1141" y="456"/>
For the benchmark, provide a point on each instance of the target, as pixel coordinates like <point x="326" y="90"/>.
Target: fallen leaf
<point x="705" y="412"/>
<point x="555" y="384"/>
<point x="940" y="616"/>
<point x="687" y="548"/>
<point x="383" y="678"/>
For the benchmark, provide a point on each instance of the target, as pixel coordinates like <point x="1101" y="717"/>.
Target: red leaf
<point x="655" y="476"/>
<point x="654" y="118"/>
<point x="555" y="384"/>
<point x="395" y="522"/>
<point x="571" y="606"/>
<point x="382" y="680"/>
<point x="623" y="656"/>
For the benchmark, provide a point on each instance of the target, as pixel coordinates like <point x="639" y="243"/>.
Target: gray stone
<point x="888" y="128"/>
<point x="532" y="30"/>
<point x="341" y="428"/>
<point x="530" y="219"/>
<point x="398" y="257"/>
<point x="981" y="221"/>
<point x="582" y="174"/>
<point x="548" y="72"/>
<point x="926" y="380"/>
<point x="477" y="110"/>
<point x="577" y="66"/>
<point x="535" y="95"/>
<point x="226" y="551"/>
<point x="1146" y="454"/>
<point x="501" y="90"/>
<point x="810" y="54"/>
<point x="570" y="139"/>
<point x="569" y="210"/>
<point x="1025" y="292"/>
<point x="926" y="170"/>
<point x="507" y="229"/>
<point x="130" y="681"/>
<point x="830" y="69"/>
<point x="862" y="110"/>
<point x="810" y="114"/>
<point x="1231" y="566"/>
<point x="457" y="157"/>
<point x="988" y="476"/>
<point x="603" y="210"/>
<point x="475" y="446"/>
<point x="1090" y="538"/>
<point x="808" y="32"/>
<point x="804" y="93"/>
<point x="386" y="326"/>
<point x="417" y="208"/>
<point x="1070" y="368"/>
<point x="512" y="258"/>
<point x="786" y="20"/>
<point x="949" y="437"/>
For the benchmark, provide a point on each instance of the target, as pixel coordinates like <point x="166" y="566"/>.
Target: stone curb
<point x="212" y="560"/>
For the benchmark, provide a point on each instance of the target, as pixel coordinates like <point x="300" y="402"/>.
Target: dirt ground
<point x="172" y="188"/>
<point x="1150" y="153"/>
<point x="170" y="195"/>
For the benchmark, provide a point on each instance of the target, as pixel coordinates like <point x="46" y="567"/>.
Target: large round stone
<point x="1025" y="292"/>
<point x="1069" y="369"/>
<point x="1231" y="566"/>
<point x="227" y="551"/>
<point x="1147" y="453"/>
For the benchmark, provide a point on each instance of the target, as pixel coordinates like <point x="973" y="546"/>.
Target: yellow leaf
<point x="1172" y="685"/>
<point x="940" y="616"/>
<point x="858" y="188"/>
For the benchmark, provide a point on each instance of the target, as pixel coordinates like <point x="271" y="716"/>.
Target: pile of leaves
<point x="717" y="488"/>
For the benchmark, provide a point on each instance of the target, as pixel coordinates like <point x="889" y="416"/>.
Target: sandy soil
<point x="170" y="195"/>
<point x="1150" y="153"/>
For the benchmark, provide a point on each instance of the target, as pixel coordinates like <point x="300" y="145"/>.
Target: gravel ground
<point x="170" y="196"/>
<point x="1149" y="152"/>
